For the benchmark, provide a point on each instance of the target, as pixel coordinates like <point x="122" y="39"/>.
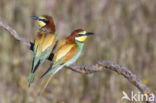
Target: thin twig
<point x="98" y="67"/>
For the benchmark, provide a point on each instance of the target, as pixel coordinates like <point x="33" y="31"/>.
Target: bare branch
<point x="14" y="33"/>
<point x="98" y="67"/>
<point x="108" y="65"/>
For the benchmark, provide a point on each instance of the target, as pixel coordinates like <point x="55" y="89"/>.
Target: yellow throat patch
<point x="41" y="23"/>
<point x="81" y="38"/>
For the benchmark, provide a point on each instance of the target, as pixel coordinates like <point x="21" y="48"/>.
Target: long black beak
<point x="35" y="17"/>
<point x="89" y="33"/>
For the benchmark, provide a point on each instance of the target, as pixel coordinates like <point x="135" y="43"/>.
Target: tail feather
<point x="31" y="78"/>
<point x="34" y="69"/>
<point x="45" y="81"/>
<point x="44" y="74"/>
<point x="32" y="65"/>
<point x="31" y="75"/>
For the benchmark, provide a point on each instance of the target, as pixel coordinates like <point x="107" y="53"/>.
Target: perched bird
<point x="44" y="42"/>
<point x="67" y="52"/>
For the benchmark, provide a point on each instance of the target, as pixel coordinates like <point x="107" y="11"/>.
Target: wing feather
<point x="49" y="40"/>
<point x="61" y="44"/>
<point x="71" y="54"/>
<point x="38" y="43"/>
<point x="43" y="42"/>
<point x="63" y="51"/>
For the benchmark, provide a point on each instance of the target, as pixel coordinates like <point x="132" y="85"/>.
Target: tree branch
<point x="98" y="67"/>
<point x="14" y="33"/>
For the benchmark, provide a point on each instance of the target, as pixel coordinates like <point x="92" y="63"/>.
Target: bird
<point x="44" y="43"/>
<point x="67" y="52"/>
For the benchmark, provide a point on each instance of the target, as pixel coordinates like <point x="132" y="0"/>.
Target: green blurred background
<point x="125" y="33"/>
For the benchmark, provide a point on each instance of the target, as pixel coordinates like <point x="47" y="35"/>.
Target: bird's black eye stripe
<point x="44" y="20"/>
<point x="78" y="35"/>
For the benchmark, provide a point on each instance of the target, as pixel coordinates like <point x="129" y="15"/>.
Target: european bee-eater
<point x="44" y="43"/>
<point x="67" y="52"/>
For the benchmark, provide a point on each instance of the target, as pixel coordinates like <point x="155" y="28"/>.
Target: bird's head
<point x="45" y="21"/>
<point x="80" y="35"/>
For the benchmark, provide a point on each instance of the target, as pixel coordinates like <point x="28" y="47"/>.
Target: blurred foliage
<point x="125" y="33"/>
